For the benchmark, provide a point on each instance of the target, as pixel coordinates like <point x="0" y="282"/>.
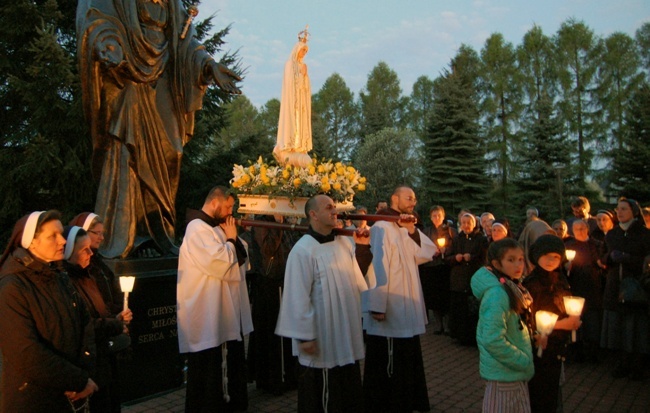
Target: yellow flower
<point x="312" y="170"/>
<point x="246" y="178"/>
<point x="251" y="169"/>
<point x="338" y="165"/>
<point x="337" y="186"/>
<point x="361" y="187"/>
<point x="296" y="182"/>
<point x="265" y="179"/>
<point x="286" y="174"/>
<point x="340" y="170"/>
<point x="321" y="169"/>
<point x="333" y="176"/>
<point x="326" y="187"/>
<point x="351" y="169"/>
<point x="362" y="180"/>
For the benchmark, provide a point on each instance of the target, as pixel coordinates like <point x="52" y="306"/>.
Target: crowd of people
<point x="62" y="320"/>
<point x="323" y="302"/>
<point x="315" y="305"/>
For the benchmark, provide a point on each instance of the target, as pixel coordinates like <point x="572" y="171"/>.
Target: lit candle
<point x="441" y="243"/>
<point x="126" y="283"/>
<point x="573" y="306"/>
<point x="570" y="255"/>
<point x="545" y="321"/>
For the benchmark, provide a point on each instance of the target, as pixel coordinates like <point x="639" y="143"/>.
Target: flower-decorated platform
<point x="269" y="189"/>
<point x="265" y="205"/>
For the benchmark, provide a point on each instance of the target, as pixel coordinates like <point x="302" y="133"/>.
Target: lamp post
<point x="558" y="171"/>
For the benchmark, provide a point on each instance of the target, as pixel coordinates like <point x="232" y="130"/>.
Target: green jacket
<point x="505" y="349"/>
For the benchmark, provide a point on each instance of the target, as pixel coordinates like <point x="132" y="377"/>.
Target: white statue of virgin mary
<point x="294" y="127"/>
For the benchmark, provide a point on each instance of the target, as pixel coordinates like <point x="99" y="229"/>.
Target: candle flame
<point x="545" y="321"/>
<point x="441" y="242"/>
<point x="570" y="255"/>
<point x="126" y="283"/>
<point x="574" y="305"/>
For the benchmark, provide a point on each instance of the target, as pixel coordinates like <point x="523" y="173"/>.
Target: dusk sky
<point x="414" y="37"/>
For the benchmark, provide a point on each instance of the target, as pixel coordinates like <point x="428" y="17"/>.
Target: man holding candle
<point x="321" y="311"/>
<point x="213" y="307"/>
<point x="394" y="377"/>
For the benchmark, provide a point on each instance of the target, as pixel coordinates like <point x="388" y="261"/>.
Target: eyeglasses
<point x="98" y="233"/>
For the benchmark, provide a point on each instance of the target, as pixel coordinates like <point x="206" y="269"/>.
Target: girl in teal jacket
<point x="503" y="335"/>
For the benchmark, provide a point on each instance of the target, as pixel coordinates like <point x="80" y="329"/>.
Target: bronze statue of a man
<point x="143" y="78"/>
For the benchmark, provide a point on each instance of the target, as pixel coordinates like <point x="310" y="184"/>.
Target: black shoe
<point x="636" y="374"/>
<point x="620" y="371"/>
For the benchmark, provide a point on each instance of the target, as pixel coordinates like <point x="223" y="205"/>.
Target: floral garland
<point x="337" y="180"/>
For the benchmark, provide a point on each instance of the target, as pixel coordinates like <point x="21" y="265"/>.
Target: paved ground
<point x="455" y="386"/>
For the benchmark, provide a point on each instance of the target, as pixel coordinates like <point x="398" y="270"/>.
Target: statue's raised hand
<point x="223" y="77"/>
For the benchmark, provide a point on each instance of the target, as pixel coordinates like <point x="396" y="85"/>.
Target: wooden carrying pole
<point x="288" y="227"/>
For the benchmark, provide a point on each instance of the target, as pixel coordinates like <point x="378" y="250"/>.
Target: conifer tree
<point x="576" y="52"/>
<point x="334" y="106"/>
<point x="548" y="178"/>
<point x="388" y="158"/>
<point x="501" y="108"/>
<point x="631" y="167"/>
<point x="455" y="174"/>
<point x="381" y="103"/>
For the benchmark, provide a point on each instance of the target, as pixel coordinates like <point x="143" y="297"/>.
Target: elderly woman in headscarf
<point x="47" y="342"/>
<point x="533" y="230"/>
<point x="106" y="281"/>
<point x="626" y="325"/>
<point x="467" y="255"/>
<point x="77" y="257"/>
<point x="606" y="221"/>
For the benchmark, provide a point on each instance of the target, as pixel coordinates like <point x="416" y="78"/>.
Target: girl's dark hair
<point x="496" y="251"/>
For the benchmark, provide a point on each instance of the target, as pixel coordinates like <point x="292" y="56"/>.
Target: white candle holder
<point x="545" y="321"/>
<point x="126" y="284"/>
<point x="441" y="244"/>
<point x="573" y="306"/>
<point x="570" y="255"/>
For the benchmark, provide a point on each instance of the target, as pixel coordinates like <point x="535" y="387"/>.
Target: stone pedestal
<point x="154" y="364"/>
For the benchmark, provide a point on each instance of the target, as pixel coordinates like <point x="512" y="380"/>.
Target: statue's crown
<point x="303" y="36"/>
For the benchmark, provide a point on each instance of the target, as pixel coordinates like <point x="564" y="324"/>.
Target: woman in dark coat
<point x="467" y="255"/>
<point x="625" y="326"/>
<point x="586" y="280"/>
<point x="77" y="260"/>
<point x="106" y="281"/>
<point x="47" y="341"/>
<point x="434" y="275"/>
